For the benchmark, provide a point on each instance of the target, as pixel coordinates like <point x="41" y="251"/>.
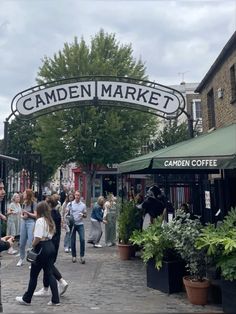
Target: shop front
<point x="200" y="171"/>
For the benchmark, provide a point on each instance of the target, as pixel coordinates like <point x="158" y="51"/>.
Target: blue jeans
<point x="67" y="240"/>
<point x="80" y="230"/>
<point x="26" y="234"/>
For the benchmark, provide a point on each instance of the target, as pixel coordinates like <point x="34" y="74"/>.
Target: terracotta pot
<point x="197" y="291"/>
<point x="125" y="251"/>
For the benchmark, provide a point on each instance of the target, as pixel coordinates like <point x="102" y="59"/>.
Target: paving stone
<point x="104" y="284"/>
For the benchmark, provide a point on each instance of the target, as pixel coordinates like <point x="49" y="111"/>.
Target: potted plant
<point x="126" y="224"/>
<point x="220" y="243"/>
<point x="164" y="266"/>
<point x="183" y="231"/>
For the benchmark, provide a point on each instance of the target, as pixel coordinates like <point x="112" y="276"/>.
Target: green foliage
<point x="126" y="221"/>
<point x="20" y="136"/>
<point x="220" y="243"/>
<point x="21" y="140"/>
<point x="184" y="231"/>
<point x="172" y="133"/>
<point x="93" y="135"/>
<point x="88" y="135"/>
<point x="154" y="242"/>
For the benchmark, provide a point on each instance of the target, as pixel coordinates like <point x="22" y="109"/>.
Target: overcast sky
<point x="175" y="39"/>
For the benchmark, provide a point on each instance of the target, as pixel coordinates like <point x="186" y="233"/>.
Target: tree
<point x="172" y="133"/>
<point x="20" y="136"/>
<point x="92" y="136"/>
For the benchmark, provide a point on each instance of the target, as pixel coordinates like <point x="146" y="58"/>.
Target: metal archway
<point x="132" y="93"/>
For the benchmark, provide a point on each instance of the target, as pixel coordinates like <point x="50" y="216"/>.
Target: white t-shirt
<point x="41" y="229"/>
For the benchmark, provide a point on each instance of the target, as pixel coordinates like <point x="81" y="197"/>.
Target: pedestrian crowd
<point x="36" y="226"/>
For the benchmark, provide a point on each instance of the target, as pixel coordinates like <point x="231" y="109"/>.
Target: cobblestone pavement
<point x="104" y="284"/>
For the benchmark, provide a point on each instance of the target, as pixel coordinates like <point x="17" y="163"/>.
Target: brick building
<point x="218" y="89"/>
<point x="218" y="94"/>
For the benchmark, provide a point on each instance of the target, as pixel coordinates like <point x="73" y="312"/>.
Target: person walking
<point x="109" y="216"/>
<point x="96" y="219"/>
<point x="65" y="223"/>
<point x="77" y="210"/>
<point x="13" y="219"/>
<point x="28" y="216"/>
<point x="43" y="233"/>
<point x="56" y="216"/>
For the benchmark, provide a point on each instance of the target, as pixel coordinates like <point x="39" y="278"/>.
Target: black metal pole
<point x="5" y="150"/>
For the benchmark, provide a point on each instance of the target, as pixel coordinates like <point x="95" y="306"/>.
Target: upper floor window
<point x="233" y="83"/>
<point x="211" y="109"/>
<point x="197" y="110"/>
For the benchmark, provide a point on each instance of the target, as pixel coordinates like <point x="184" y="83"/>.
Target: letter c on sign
<point x="24" y="104"/>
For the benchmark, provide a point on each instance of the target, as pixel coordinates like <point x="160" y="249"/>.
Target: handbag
<point x="70" y="220"/>
<point x="69" y="217"/>
<point x="32" y="255"/>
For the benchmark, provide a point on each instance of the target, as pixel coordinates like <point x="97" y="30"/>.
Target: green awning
<point x="214" y="150"/>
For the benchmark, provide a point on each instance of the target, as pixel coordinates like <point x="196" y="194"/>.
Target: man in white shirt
<point x="78" y="211"/>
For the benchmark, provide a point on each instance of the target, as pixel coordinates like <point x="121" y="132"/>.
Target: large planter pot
<point x="169" y="278"/>
<point x="197" y="291"/>
<point x="125" y="251"/>
<point x="228" y="290"/>
<point x="214" y="295"/>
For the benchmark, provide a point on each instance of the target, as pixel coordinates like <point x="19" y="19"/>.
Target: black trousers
<point x="45" y="262"/>
<point x="56" y="273"/>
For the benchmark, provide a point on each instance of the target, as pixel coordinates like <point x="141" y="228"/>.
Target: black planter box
<point x="228" y="290"/>
<point x="169" y="278"/>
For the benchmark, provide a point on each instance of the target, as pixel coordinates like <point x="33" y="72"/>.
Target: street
<point x="104" y="284"/>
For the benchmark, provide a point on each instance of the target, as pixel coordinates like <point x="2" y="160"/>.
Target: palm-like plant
<point x="220" y="243"/>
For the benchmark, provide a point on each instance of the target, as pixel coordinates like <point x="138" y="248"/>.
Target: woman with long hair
<point x="13" y="219"/>
<point x="56" y="216"/>
<point x="28" y="216"/>
<point x="42" y="242"/>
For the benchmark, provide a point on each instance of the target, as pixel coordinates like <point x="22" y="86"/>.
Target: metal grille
<point x="20" y="173"/>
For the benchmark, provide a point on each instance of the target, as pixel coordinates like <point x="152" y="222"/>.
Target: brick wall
<point x="225" y="112"/>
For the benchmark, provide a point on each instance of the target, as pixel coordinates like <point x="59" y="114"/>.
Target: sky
<point x="177" y="40"/>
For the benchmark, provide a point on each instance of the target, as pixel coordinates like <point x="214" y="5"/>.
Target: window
<point x="211" y="109"/>
<point x="197" y="109"/>
<point x="233" y="84"/>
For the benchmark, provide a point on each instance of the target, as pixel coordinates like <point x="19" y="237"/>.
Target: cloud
<point x="171" y="37"/>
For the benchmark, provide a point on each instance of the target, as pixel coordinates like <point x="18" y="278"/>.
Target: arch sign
<point x="110" y="91"/>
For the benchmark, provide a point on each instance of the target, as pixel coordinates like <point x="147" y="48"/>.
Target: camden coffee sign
<point x="161" y="99"/>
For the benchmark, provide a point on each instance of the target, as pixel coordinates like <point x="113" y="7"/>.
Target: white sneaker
<point x="21" y="301"/>
<point x="41" y="293"/>
<point x="20" y="263"/>
<point x="53" y="304"/>
<point x="63" y="286"/>
<point x="66" y="250"/>
<point x="11" y="251"/>
<point x="97" y="245"/>
<point x="82" y="260"/>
